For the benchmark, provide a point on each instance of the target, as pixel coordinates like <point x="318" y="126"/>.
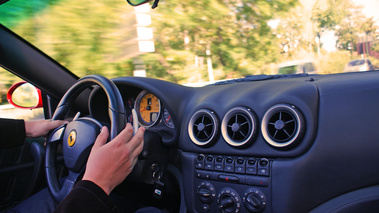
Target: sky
<point x="370" y="8"/>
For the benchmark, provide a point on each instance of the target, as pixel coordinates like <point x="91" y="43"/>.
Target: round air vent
<point x="238" y="126"/>
<point x="203" y="127"/>
<point x="283" y="125"/>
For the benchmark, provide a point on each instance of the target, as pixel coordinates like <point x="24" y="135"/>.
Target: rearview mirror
<point x="137" y="2"/>
<point x="24" y="95"/>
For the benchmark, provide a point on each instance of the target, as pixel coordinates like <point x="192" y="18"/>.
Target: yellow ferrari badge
<point x="72" y="138"/>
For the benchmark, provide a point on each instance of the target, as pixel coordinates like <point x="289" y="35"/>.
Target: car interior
<point x="262" y="143"/>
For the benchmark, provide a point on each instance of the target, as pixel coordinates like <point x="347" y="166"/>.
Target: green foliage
<point x="88" y="37"/>
<point x="328" y="16"/>
<point x="235" y="33"/>
<point x="375" y="47"/>
<point x="81" y="42"/>
<point x="333" y="62"/>
<point x="12" y="12"/>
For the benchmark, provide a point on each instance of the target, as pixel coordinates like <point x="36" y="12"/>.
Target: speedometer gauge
<point x="148" y="108"/>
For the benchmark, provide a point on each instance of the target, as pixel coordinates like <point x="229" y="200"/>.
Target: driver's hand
<point x="40" y="128"/>
<point x="110" y="163"/>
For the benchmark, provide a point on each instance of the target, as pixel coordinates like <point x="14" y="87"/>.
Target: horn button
<point x="78" y="139"/>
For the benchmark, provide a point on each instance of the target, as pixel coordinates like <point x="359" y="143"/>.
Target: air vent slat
<point x="283" y="125"/>
<point x="276" y="132"/>
<point x="290" y="121"/>
<point x="288" y="134"/>
<point x="244" y="123"/>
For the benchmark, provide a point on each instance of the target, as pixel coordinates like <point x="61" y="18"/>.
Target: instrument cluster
<point x="149" y="110"/>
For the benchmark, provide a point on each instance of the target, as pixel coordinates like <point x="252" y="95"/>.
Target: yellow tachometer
<point x="148" y="108"/>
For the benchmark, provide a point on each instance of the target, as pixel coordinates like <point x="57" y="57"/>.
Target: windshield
<point x="197" y="41"/>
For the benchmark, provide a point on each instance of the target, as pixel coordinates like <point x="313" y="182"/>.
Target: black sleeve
<point x="12" y="133"/>
<point x="86" y="196"/>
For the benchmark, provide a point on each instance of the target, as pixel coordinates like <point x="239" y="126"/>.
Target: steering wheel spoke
<point x="56" y="135"/>
<point x="68" y="184"/>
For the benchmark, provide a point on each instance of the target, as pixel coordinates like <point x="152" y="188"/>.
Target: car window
<point x="356" y="62"/>
<point x="309" y="67"/>
<point x="7" y="110"/>
<point x="288" y="70"/>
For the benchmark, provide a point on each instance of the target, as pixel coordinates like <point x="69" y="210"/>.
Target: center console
<point x="230" y="184"/>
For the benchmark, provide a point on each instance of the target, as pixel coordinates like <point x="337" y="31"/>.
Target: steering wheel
<point x="78" y="136"/>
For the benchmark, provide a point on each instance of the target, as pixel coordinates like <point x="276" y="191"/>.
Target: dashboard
<point x="273" y="144"/>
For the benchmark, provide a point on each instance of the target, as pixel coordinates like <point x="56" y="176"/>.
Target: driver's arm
<point x="14" y="131"/>
<point x="107" y="166"/>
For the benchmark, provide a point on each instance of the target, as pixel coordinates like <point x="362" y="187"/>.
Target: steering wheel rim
<point x="117" y="122"/>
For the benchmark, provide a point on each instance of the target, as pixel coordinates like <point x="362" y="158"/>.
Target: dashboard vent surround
<point x="238" y="127"/>
<point x="203" y="127"/>
<point x="283" y="125"/>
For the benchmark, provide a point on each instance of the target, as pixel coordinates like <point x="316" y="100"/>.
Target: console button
<point x="229" y="164"/>
<point x="229" y="168"/>
<point x="229" y="160"/>
<point x="240" y="161"/>
<point x="199" y="165"/>
<point x="203" y="174"/>
<point x="263" y="162"/>
<point x="264" y="167"/>
<point x="219" y="159"/>
<point x="199" y="162"/>
<point x="251" y="170"/>
<point x="229" y="178"/>
<point x="205" y="207"/>
<point x="210" y="158"/>
<point x="251" y="162"/>
<point x="219" y="167"/>
<point x="209" y="166"/>
<point x="207" y="176"/>
<point x="263" y="172"/>
<point x="209" y="162"/>
<point x="198" y="174"/>
<point x="200" y="157"/>
<point x="219" y="164"/>
<point x="255" y="181"/>
<point x="239" y="170"/>
<point x="239" y="166"/>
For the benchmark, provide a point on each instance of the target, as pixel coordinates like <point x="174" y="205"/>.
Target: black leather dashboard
<point x="285" y="144"/>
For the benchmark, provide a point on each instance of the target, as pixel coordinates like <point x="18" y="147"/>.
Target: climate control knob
<point x="254" y="200"/>
<point x="229" y="201"/>
<point x="206" y="192"/>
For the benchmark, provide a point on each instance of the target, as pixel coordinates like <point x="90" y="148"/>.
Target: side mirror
<point x="24" y="95"/>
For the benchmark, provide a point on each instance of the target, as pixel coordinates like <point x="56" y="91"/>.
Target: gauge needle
<point x="169" y="117"/>
<point x="142" y="110"/>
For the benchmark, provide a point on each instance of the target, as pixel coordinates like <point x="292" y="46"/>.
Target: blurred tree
<point x="368" y="26"/>
<point x="83" y="43"/>
<point x="326" y="15"/>
<point x="235" y="33"/>
<point x="290" y="31"/>
<point x="351" y="27"/>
